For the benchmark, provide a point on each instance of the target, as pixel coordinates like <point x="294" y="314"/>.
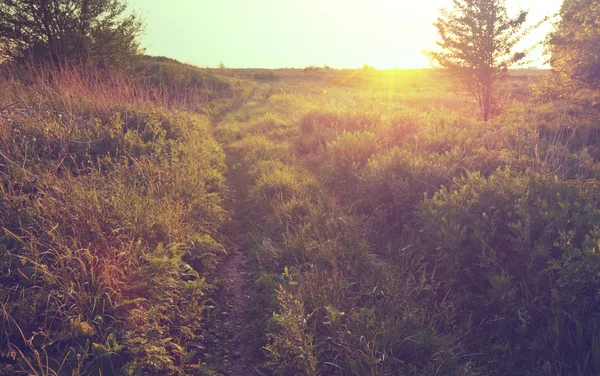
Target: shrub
<point x="510" y="243"/>
<point x="345" y="158"/>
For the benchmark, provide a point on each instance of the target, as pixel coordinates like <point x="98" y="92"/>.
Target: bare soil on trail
<point x="234" y="272"/>
<point x="242" y="362"/>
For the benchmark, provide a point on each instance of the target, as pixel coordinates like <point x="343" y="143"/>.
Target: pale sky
<point x="297" y="33"/>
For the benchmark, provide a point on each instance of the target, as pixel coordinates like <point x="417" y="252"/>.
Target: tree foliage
<point x="83" y="30"/>
<point x="478" y="43"/>
<point x="575" y="43"/>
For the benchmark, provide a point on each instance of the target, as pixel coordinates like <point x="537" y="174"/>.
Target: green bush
<point x="345" y="157"/>
<point x="510" y="244"/>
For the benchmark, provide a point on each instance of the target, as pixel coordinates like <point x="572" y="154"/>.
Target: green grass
<point x="108" y="195"/>
<point x="389" y="230"/>
<point x="370" y="275"/>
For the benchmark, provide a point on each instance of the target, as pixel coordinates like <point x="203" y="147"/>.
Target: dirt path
<point x="235" y="272"/>
<point x="242" y="362"/>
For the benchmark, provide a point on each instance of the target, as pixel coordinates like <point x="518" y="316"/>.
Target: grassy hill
<point x="369" y="223"/>
<point x="111" y="187"/>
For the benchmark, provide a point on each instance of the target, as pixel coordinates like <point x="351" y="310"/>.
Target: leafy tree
<point x="54" y="30"/>
<point x="478" y="40"/>
<point x="575" y="43"/>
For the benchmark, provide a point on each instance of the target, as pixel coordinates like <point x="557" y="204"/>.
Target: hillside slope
<point x="111" y="202"/>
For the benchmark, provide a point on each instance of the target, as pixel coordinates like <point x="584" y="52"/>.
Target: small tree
<point x="574" y="44"/>
<point x="68" y="29"/>
<point x="478" y="39"/>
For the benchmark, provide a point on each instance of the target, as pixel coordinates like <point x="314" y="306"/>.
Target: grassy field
<point x="384" y="228"/>
<point x="392" y="232"/>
